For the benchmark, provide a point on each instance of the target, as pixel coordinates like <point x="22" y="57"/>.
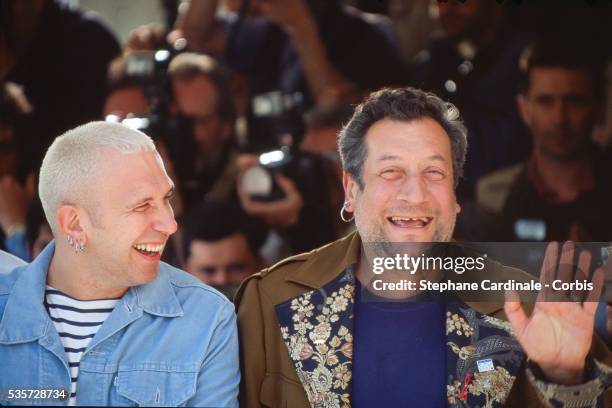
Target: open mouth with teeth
<point x="149" y="250"/>
<point x="410" y="222"/>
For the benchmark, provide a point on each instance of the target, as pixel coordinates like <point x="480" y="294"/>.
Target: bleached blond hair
<point x="72" y="160"/>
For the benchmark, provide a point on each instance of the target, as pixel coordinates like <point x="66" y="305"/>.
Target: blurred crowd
<point x="244" y="100"/>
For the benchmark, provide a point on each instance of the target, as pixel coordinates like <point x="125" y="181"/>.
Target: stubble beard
<point x="375" y="234"/>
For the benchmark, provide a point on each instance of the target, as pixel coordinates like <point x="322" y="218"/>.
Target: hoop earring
<point x="342" y="210"/>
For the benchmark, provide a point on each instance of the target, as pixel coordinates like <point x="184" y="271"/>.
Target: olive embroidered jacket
<point x="296" y="323"/>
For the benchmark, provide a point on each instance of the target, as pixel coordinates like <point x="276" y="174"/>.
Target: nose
<point x="164" y="221"/>
<point x="560" y="113"/>
<point x="221" y="277"/>
<point x="413" y="190"/>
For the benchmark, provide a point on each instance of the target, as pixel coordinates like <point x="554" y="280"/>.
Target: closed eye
<point x="390" y="174"/>
<point x="142" y="207"/>
<point x="435" y="175"/>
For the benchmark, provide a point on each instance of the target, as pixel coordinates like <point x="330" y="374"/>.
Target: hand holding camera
<point x="280" y="213"/>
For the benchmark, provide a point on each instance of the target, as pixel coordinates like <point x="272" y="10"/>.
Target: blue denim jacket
<point x="170" y="342"/>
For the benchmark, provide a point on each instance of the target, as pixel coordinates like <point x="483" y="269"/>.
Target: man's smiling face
<point x="131" y="219"/>
<point x="408" y="193"/>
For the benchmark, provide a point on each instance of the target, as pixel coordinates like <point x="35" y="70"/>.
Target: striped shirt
<point x="77" y="322"/>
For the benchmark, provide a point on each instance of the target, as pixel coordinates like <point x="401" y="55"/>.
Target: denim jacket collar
<point x="25" y="318"/>
<point x="158" y="297"/>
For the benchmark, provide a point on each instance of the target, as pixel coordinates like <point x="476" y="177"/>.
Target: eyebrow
<point x="388" y="157"/>
<point x="139" y="202"/>
<point x="391" y="157"/>
<point x="437" y="157"/>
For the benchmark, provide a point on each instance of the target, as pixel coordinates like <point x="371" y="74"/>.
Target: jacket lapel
<point x="317" y="328"/>
<point x="483" y="358"/>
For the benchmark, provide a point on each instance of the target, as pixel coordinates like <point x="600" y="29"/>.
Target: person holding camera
<point x="202" y="97"/>
<point x="294" y="48"/>
<point x="288" y="190"/>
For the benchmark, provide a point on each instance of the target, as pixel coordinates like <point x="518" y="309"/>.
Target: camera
<point x="306" y="170"/>
<point x="258" y="181"/>
<point x="275" y="114"/>
<point x="148" y="70"/>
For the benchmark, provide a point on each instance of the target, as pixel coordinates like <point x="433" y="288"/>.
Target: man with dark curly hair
<point x="313" y="333"/>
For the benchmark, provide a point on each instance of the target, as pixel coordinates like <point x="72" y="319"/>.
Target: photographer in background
<point x="205" y="159"/>
<point x="295" y="49"/>
<point x="289" y="190"/>
<point x="126" y="91"/>
<point x="59" y="56"/>
<point x="564" y="189"/>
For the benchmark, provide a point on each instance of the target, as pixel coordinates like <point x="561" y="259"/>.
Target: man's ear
<point x="69" y="223"/>
<point x="350" y="190"/>
<point x="523" y="109"/>
<point x="457" y="208"/>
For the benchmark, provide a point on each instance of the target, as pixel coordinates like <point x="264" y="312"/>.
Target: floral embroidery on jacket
<point x="320" y="345"/>
<point x="494" y="385"/>
<point x="455" y="323"/>
<point x="453" y="392"/>
<point x="500" y="324"/>
<point x="317" y="330"/>
<point x="473" y="338"/>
